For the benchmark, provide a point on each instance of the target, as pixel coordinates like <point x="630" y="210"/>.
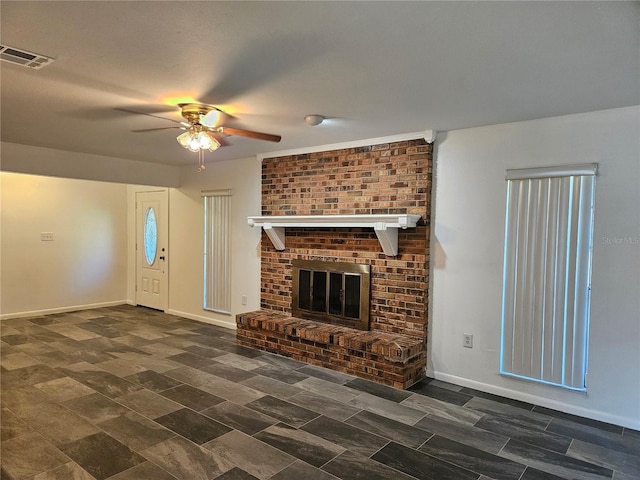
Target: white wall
<point x="85" y="264"/>
<point x="59" y="163"/>
<point x="91" y="261"/>
<point x="186" y="238"/>
<point x="467" y="252"/>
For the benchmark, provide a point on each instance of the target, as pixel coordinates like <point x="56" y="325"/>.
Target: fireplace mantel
<point x="385" y="226"/>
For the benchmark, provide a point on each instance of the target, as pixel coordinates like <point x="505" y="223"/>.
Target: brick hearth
<point x="389" y="358"/>
<point x="385" y="178"/>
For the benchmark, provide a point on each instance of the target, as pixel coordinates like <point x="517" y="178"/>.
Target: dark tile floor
<point x="127" y="393"/>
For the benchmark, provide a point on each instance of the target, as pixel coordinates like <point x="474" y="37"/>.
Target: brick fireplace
<point x="390" y="178"/>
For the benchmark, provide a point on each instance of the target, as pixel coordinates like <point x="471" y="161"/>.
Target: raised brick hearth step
<point x="387" y="358"/>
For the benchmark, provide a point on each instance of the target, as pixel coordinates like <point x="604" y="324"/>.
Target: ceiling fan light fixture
<point x="196" y="139"/>
<point x="204" y="141"/>
<point x="214" y="144"/>
<point x="194" y="144"/>
<point x="183" y="138"/>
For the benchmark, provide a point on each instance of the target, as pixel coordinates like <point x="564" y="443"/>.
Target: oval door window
<point x="150" y="236"/>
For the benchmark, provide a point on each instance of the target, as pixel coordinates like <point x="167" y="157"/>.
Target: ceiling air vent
<point x="24" y="58"/>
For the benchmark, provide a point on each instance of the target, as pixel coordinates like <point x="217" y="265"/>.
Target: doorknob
<point x="161" y="258"/>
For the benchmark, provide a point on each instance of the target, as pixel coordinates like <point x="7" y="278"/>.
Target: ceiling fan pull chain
<point x="201" y="165"/>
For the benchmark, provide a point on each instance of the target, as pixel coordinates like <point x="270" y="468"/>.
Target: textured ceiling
<point x="374" y="68"/>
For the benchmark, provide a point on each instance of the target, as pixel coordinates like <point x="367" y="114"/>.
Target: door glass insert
<point x="150" y="236"/>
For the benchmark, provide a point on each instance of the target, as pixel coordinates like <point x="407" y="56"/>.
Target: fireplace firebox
<point x="331" y="292"/>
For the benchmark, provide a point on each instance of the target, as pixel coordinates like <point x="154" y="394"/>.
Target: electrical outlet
<point x="467" y="340"/>
<point x="46" y="237"/>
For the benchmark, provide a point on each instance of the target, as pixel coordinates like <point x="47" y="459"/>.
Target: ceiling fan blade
<point x="156" y="129"/>
<point x="261" y="62"/>
<point x="126" y="110"/>
<point x="249" y="134"/>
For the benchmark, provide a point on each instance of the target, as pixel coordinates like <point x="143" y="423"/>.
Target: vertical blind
<point x="217" y="261"/>
<point x="547" y="274"/>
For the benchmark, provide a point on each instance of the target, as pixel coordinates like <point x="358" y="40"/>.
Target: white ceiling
<point x="374" y="68"/>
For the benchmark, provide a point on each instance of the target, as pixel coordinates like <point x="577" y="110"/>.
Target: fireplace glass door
<point x="332" y="292"/>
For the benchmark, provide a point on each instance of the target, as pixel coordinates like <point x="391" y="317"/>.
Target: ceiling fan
<point x="202" y="129"/>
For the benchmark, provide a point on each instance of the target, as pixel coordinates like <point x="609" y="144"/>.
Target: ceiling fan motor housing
<point x="193" y="111"/>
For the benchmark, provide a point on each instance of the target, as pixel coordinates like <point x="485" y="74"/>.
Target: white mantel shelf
<point x="386" y="226"/>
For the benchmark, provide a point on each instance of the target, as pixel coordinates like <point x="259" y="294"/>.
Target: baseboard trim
<point x="67" y="309"/>
<point x="633" y="423"/>
<point x="231" y="325"/>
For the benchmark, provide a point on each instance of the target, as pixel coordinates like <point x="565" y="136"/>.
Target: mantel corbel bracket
<point x="385" y="226"/>
<point x="388" y="238"/>
<point x="276" y="235"/>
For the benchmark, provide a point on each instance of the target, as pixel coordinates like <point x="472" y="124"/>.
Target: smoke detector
<point x="23" y="58"/>
<point x="313" y="120"/>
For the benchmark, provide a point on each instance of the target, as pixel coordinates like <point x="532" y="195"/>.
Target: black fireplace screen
<point x="332" y="292"/>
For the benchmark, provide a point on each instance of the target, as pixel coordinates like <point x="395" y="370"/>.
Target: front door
<point x="152" y="261"/>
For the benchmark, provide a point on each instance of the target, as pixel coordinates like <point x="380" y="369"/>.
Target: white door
<point x="152" y="261"/>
